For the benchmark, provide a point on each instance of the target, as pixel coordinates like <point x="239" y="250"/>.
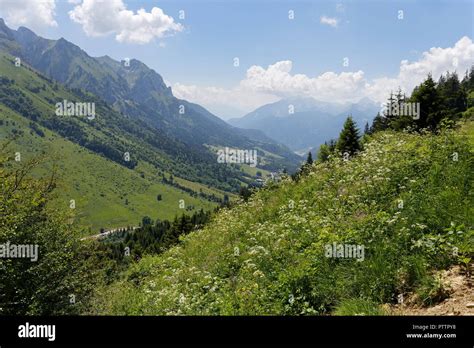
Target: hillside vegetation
<point x="406" y="198"/>
<point x="108" y="191"/>
<point x="106" y="194"/>
<point x="181" y="129"/>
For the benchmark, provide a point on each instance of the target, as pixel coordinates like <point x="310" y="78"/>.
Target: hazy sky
<point x="330" y="50"/>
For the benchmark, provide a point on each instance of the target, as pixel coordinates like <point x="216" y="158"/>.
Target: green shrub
<point x="431" y="290"/>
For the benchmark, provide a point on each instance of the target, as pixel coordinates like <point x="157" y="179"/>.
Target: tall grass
<point x="404" y="199"/>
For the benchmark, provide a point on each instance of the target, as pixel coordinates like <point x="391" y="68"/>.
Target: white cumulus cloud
<point x="226" y="103"/>
<point x="265" y="85"/>
<point x="277" y="79"/>
<point x="436" y="61"/>
<point x="100" y="18"/>
<point x="34" y="14"/>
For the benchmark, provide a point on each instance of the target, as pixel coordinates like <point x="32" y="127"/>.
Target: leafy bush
<point x="62" y="277"/>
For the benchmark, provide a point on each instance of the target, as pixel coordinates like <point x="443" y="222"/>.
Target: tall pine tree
<point x="348" y="138"/>
<point x="379" y="123"/>
<point x="427" y="95"/>
<point x="452" y="95"/>
<point x="366" y="128"/>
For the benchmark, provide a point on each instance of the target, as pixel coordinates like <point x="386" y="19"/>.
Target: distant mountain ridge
<point x="305" y="123"/>
<point x="136" y="91"/>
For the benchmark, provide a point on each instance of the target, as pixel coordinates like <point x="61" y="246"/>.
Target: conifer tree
<point x="332" y="145"/>
<point x="378" y="124"/>
<point x="427" y="95"/>
<point x="366" y="128"/>
<point x="399" y="119"/>
<point x="348" y="138"/>
<point x="468" y="80"/>
<point x="452" y="95"/>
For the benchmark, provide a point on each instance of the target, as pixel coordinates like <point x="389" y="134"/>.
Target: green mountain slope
<point x="106" y="194"/>
<point x="110" y="133"/>
<point x="406" y="201"/>
<point x="109" y="191"/>
<point x="136" y="91"/>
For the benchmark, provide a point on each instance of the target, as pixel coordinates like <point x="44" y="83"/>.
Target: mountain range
<point x="304" y="123"/>
<point x="143" y="143"/>
<point x="137" y="91"/>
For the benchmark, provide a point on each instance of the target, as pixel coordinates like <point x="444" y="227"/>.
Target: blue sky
<point x="199" y="57"/>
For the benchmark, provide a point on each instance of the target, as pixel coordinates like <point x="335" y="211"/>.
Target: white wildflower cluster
<point x="356" y="201"/>
<point x="256" y="250"/>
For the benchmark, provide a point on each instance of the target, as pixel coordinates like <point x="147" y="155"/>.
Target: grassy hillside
<point x="407" y="199"/>
<point x="111" y="133"/>
<point x="106" y="194"/>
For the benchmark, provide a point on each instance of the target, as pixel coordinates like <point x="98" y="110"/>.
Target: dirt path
<point x="460" y="301"/>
